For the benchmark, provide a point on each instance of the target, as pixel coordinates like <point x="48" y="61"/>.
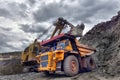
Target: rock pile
<point x="10" y="63"/>
<point x="105" y="37"/>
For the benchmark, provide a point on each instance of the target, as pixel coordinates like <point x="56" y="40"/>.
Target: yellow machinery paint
<point x="28" y="55"/>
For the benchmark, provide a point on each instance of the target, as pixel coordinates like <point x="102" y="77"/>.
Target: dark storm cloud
<point x="4" y="13"/>
<point x="5" y="29"/>
<point x="84" y="11"/>
<point x="32" y="2"/>
<point x="3" y="41"/>
<point x="49" y="11"/>
<point x="44" y="33"/>
<point x="32" y="28"/>
<point x="93" y="7"/>
<point x="88" y="3"/>
<point x="8" y="36"/>
<point x="17" y="9"/>
<point x="39" y="29"/>
<point x="13" y="10"/>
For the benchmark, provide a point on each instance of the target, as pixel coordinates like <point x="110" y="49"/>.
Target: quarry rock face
<point x="105" y="37"/>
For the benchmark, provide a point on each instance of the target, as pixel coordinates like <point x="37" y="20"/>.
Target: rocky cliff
<point x="105" y="37"/>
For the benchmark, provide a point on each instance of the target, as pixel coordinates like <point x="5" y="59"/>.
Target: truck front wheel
<point x="71" y="65"/>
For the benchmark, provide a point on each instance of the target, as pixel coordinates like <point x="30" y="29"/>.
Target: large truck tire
<point x="71" y="65"/>
<point x="90" y="63"/>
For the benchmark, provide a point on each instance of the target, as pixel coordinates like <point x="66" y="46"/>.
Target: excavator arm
<point x="59" y="24"/>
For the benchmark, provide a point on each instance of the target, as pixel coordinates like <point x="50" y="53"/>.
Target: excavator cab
<point x="28" y="57"/>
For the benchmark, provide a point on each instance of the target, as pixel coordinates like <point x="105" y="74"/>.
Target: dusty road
<point x="41" y="76"/>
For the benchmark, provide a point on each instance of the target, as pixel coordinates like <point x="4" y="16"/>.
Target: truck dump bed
<point x="84" y="49"/>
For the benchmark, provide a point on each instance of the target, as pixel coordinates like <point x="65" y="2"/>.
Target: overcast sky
<point x="21" y="21"/>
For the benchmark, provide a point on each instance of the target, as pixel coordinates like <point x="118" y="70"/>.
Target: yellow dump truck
<point x="65" y="53"/>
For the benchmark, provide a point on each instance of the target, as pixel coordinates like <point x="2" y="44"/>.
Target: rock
<point x="105" y="37"/>
<point x="12" y="66"/>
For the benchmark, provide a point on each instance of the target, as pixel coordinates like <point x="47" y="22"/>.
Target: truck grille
<point x="44" y="60"/>
<point x="44" y="64"/>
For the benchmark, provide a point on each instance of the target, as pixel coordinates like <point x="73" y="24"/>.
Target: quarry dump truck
<point x="65" y="53"/>
<point x="62" y="52"/>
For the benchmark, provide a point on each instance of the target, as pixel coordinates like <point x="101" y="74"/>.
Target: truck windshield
<point x="61" y="45"/>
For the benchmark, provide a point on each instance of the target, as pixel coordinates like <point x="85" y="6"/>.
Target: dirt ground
<point x="59" y="76"/>
<point x="8" y="67"/>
